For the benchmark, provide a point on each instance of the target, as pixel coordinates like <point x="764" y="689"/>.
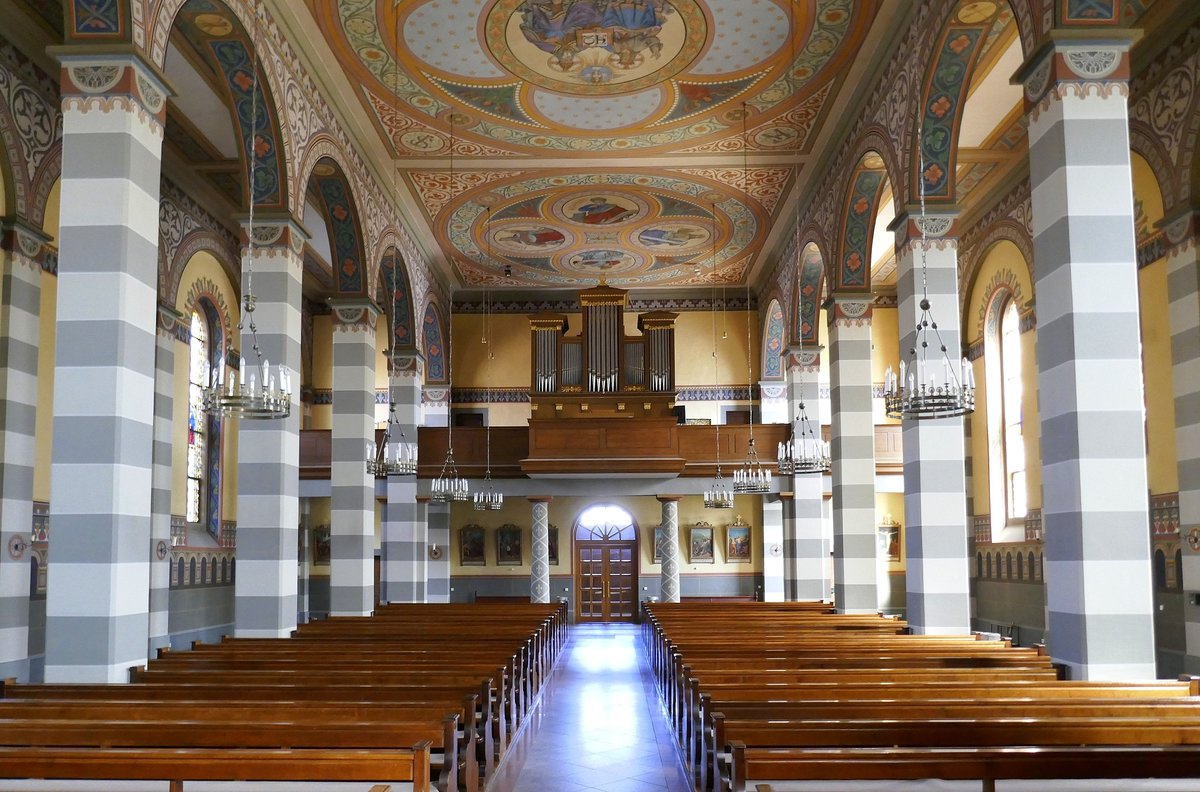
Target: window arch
<point x="205" y="357"/>
<point x="1005" y="416"/>
<point x="1160" y="569"/>
<point x="605" y="523"/>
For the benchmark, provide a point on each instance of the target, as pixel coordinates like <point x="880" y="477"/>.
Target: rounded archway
<point x="606" y="564"/>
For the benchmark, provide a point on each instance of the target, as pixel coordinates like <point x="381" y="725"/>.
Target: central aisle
<point x="598" y="726"/>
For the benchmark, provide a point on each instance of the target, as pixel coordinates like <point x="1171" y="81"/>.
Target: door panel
<point x="606" y="581"/>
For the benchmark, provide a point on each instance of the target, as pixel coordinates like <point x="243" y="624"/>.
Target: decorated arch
<point x="810" y="275"/>
<point x="340" y="210"/>
<point x="774" y="341"/>
<point x="394" y="283"/>
<point x="433" y="349"/>
<point x="861" y="208"/>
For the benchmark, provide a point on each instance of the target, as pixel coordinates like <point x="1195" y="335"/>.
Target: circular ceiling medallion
<point x="595" y="47"/>
<point x="598" y="262"/>
<point x="674" y="238"/>
<point x="528" y="240"/>
<point x="599" y="207"/>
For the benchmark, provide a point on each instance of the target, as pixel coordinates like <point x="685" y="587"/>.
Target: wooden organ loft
<point x="603" y="402"/>
<point x="603" y="373"/>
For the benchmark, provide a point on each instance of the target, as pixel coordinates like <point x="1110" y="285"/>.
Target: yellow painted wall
<point x="319" y="515"/>
<point x="646" y="511"/>
<point x="320" y="416"/>
<point x="45" y="406"/>
<point x="48" y="311"/>
<point x="885" y="351"/>
<point x="508" y="340"/>
<point x="1004" y="258"/>
<point x="1161" y="453"/>
<point x="694" y="340"/>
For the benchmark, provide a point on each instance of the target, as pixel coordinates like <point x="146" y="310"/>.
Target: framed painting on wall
<point x="470" y="546"/>
<point x="660" y="538"/>
<point x="320" y="548"/>
<point x="552" y="538"/>
<point x="508" y="545"/>
<point x="700" y="544"/>
<point x="737" y="543"/>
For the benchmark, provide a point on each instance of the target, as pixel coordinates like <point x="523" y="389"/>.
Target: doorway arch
<point x="606" y="564"/>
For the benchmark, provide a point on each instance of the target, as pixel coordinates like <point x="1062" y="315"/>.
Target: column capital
<point x="273" y="231"/>
<point x="424" y="500"/>
<point x="170" y="323"/>
<point x="807" y="358"/>
<point x="539" y="498"/>
<point x="851" y="309"/>
<point x="354" y="314"/>
<point x="111" y="77"/>
<point x="1180" y="229"/>
<point x="669" y="498"/>
<point x="29" y="243"/>
<point x="772" y="389"/>
<point x="1077" y="61"/>
<point x="786" y="496"/>
<point x="939" y="226"/>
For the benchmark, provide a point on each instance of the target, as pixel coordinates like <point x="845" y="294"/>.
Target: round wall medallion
<point x="1193" y="538"/>
<point x="161" y="550"/>
<point x="17" y="545"/>
<point x="435" y="552"/>
<point x="774" y="550"/>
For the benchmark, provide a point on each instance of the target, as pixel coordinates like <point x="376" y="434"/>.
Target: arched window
<point x="1179" y="570"/>
<point x="979" y="565"/>
<point x="204" y="430"/>
<point x="1020" y="567"/>
<point x="1160" y="569"/>
<point x="198" y="372"/>
<point x="989" y="566"/>
<point x="1032" y="567"/>
<point x="605" y="524"/>
<point x="1008" y="566"/>
<point x="1006" y="449"/>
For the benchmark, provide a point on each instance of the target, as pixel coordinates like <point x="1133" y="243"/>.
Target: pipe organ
<point x="603" y="372"/>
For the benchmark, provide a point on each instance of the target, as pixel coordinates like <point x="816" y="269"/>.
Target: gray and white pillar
<point x="438" y="519"/>
<point x="405" y="543"/>
<point x="268" y="506"/>
<point x="1095" y="510"/>
<point x="773" y="401"/>
<point x="352" y="488"/>
<point x="773" y="510"/>
<point x="160" y="494"/>
<point x="806" y="535"/>
<point x="935" y="497"/>
<point x="19" y="333"/>
<point x="1183" y="290"/>
<point x="539" y="571"/>
<point x="670" y="549"/>
<point x="852" y="447"/>
<point x="98" y="587"/>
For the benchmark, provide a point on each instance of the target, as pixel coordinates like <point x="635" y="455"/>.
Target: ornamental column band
<point x="98" y="589"/>
<point x="670" y="548"/>
<point x="806" y="540"/>
<point x="852" y="449"/>
<point x="1098" y="568"/>
<point x="405" y="543"/>
<point x="539" y="573"/>
<point x="268" y="509"/>
<point x="169" y="332"/>
<point x="22" y="249"/>
<point x="352" y="488"/>
<point x="935" y="496"/>
<point x="1183" y="291"/>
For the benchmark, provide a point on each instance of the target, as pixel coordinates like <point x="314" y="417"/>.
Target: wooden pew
<point x="179" y="765"/>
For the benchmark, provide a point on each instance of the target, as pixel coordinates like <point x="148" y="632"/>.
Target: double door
<point x="606" y="582"/>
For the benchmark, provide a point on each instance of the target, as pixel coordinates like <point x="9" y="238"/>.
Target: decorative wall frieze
<point x="849" y="312"/>
<point x="104" y="83"/>
<point x="31" y="127"/>
<point x="184" y="229"/>
<point x="634" y="304"/>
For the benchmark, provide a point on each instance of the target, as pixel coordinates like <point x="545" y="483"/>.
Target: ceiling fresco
<point x="683" y="91"/>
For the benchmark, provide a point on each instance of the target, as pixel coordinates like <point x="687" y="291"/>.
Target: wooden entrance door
<point x="607" y="581"/>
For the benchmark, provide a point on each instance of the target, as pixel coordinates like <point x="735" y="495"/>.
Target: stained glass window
<point x="198" y="367"/>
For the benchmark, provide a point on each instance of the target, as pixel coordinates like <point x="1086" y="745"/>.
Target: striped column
<point x="1183" y="290"/>
<point x="772" y="544"/>
<point x="670" y="549"/>
<point x="352" y="502"/>
<point x="539" y="573"/>
<point x="806" y="543"/>
<point x="405" y="543"/>
<point x="852" y="447"/>
<point x="438" y="518"/>
<point x="935" y="496"/>
<point x="160" y="492"/>
<point x="98" y="583"/>
<point x="268" y="508"/>
<point x="20" y="249"/>
<point x="1098" y="569"/>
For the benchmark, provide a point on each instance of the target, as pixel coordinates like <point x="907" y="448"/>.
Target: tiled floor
<point x="599" y="725"/>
